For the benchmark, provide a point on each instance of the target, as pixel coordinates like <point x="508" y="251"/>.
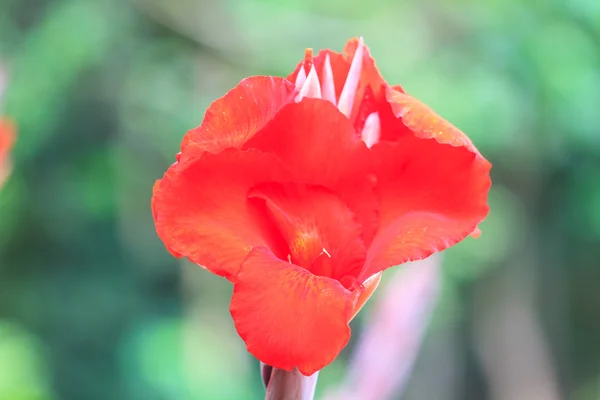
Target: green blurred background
<point x="93" y="307"/>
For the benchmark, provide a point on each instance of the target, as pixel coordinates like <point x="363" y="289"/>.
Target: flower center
<point x="318" y="229"/>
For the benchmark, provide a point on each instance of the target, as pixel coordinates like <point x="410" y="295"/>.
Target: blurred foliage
<point x="93" y="307"/>
<point x="23" y="375"/>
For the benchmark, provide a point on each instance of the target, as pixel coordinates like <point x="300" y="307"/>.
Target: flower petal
<point x="202" y="212"/>
<point x="154" y="214"/>
<point x="321" y="232"/>
<point x="289" y="317"/>
<point x="425" y="123"/>
<point x="7" y="137"/>
<point x="318" y="144"/>
<point x="368" y="288"/>
<point x="433" y="191"/>
<point x="235" y="117"/>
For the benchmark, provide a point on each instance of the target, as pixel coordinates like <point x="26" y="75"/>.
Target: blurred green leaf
<point x="74" y="36"/>
<point x="23" y="375"/>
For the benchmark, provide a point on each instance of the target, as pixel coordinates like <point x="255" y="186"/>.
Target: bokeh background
<point x="93" y="307"/>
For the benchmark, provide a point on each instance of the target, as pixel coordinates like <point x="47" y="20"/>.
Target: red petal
<point x="317" y="143"/>
<point x="7" y="138"/>
<point x="154" y="214"/>
<point x="237" y="116"/>
<point x="201" y="209"/>
<point x="433" y="191"/>
<point x="476" y="233"/>
<point x="369" y="287"/>
<point x="425" y="123"/>
<point x="289" y="317"/>
<point x="321" y="232"/>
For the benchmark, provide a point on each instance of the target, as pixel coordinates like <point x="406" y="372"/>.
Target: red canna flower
<point x="7" y="138"/>
<point x="302" y="190"/>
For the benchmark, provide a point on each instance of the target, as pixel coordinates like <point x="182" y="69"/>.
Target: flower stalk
<point x="292" y="385"/>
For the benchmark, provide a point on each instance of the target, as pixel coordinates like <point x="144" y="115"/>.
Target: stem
<point x="284" y="385"/>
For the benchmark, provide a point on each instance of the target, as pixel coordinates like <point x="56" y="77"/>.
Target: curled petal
<point x="201" y="209"/>
<point x="289" y="317"/>
<point x="369" y="285"/>
<point x="425" y="123"/>
<point x="234" y="118"/>
<point x="433" y="185"/>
